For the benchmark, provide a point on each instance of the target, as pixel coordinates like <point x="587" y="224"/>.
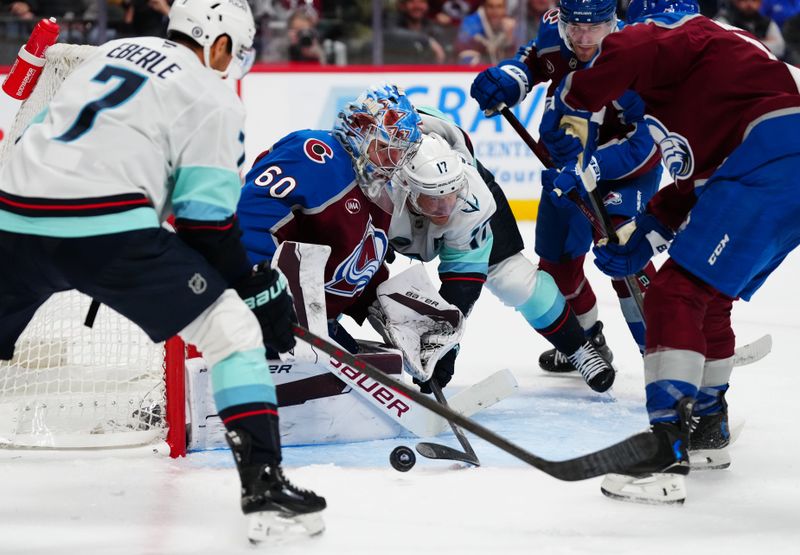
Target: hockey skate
<point x="596" y="371"/>
<point x="277" y="510"/>
<point x="709" y="441"/>
<point x="660" y="480"/>
<point x="555" y="361"/>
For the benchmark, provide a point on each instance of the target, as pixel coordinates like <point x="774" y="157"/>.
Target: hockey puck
<point x="402" y="458"/>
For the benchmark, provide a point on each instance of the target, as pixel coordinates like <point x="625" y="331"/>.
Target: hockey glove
<point x="563" y="148"/>
<point x="573" y="179"/>
<point x="266" y="293"/>
<point x="631" y="107"/>
<point x="549" y="177"/>
<point x="442" y="373"/>
<point x="506" y="83"/>
<point x="640" y="239"/>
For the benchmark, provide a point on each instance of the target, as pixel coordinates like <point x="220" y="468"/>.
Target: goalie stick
<point x="615" y="458"/>
<point x="438" y="451"/>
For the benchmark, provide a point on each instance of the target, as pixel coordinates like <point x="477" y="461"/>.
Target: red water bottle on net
<point x="28" y="66"/>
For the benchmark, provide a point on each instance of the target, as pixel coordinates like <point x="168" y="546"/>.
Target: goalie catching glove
<point x="411" y="315"/>
<point x="266" y="293"/>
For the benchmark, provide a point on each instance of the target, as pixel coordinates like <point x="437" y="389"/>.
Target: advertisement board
<point x="279" y="101"/>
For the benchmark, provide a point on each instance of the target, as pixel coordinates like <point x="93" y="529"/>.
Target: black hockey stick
<point x="438" y="451"/>
<point x="540" y="151"/>
<point x="613" y="459"/>
<point x="596" y="214"/>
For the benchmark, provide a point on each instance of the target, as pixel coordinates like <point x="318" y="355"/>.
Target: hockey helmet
<point x="206" y="20"/>
<point x="642" y="8"/>
<point x="584" y="23"/>
<point x="381" y="129"/>
<point x="434" y="179"/>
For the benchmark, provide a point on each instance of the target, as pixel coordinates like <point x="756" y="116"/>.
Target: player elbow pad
<point x="219" y="243"/>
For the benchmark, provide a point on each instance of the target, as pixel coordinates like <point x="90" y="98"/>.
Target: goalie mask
<point x="434" y="180"/>
<point x="583" y="24"/>
<point x="380" y="130"/>
<point x="206" y="20"/>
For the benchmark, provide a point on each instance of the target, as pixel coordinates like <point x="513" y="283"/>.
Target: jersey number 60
<point x="280" y="188"/>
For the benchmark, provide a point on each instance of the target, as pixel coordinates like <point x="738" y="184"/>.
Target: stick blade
<point x="753" y="352"/>
<point x="614" y="459"/>
<point x="438" y="451"/>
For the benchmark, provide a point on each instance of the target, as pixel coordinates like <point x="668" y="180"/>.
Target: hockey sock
<point x="630" y="311"/>
<point x="711" y="400"/>
<point x="571" y="281"/>
<point x="565" y="333"/>
<point x="245" y="397"/>
<point x="663" y="397"/>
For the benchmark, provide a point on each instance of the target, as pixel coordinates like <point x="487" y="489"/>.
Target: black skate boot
<point x="660" y="479"/>
<point x="276" y="507"/>
<point x="709" y="440"/>
<point x="556" y="361"/>
<point x="595" y="370"/>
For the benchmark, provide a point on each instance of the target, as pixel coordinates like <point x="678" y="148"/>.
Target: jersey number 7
<point x="128" y="86"/>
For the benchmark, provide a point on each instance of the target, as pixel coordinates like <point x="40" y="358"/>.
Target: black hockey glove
<point x="266" y="293"/>
<point x="443" y="372"/>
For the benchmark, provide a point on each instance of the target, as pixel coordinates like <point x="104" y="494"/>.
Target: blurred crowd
<point x="342" y="32"/>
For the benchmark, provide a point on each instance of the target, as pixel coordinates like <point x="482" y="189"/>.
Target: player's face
<point x="387" y="157"/>
<point x="438" y="208"/>
<point x="585" y="38"/>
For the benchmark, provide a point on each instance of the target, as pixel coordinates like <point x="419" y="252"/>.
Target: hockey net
<point x="74" y="387"/>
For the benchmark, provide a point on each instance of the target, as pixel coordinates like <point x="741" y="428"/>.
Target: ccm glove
<point x="507" y="83"/>
<point x="442" y="373"/>
<point x="266" y="293"/>
<point x="573" y="178"/>
<point x="563" y="147"/>
<point x="640" y="239"/>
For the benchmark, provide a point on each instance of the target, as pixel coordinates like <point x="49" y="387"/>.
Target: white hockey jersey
<point x="463" y="244"/>
<point x="139" y="130"/>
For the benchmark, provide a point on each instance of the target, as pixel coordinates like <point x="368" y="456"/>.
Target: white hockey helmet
<point x="434" y="179"/>
<point x="205" y="20"/>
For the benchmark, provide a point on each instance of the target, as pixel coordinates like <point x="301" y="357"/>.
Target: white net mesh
<point x="70" y="386"/>
<point x="61" y="60"/>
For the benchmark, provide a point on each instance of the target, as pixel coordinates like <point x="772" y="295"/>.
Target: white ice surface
<point x="155" y="505"/>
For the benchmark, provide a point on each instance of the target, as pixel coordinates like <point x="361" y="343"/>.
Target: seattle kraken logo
<point x="353" y="274"/>
<point x="675" y="149"/>
<point x="471" y="205"/>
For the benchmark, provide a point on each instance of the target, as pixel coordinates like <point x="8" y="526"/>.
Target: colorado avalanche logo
<point x="353" y="274"/>
<point x="675" y="149"/>
<point x="317" y="151"/>
<point x="613" y="198"/>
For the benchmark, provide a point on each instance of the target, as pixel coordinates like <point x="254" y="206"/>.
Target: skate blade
<point x="654" y="489"/>
<point x="709" y="459"/>
<point x="276" y="529"/>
